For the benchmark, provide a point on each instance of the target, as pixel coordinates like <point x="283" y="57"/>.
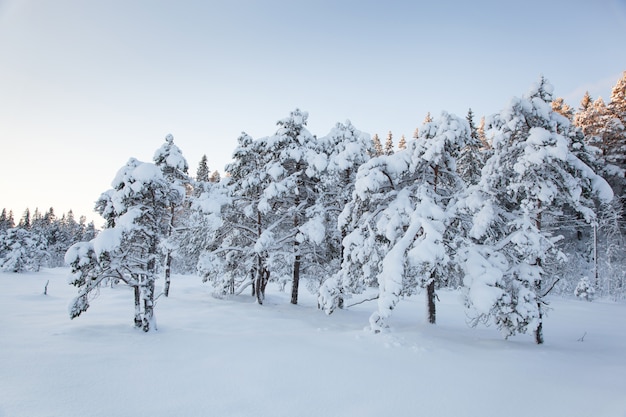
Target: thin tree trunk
<point x="137" y="292"/>
<point x="168" y="259"/>
<point x="430" y="296"/>
<point x="296" y="276"/>
<point x="148" y="304"/>
<point x="539" y="329"/>
<point x="296" y="251"/>
<point x="168" y="270"/>
<point x="430" y="288"/>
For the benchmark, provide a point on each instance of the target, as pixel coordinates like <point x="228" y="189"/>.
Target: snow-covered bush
<point x="584" y="289"/>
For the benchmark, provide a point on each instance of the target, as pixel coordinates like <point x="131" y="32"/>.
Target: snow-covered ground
<point x="233" y="357"/>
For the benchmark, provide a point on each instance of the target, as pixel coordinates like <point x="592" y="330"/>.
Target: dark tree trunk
<point x="539" y="329"/>
<point x="430" y="296"/>
<point x="296" y="277"/>
<point x="138" y="321"/>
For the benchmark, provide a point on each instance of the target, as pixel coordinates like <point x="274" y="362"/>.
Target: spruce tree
<point x="378" y="146"/>
<point x="560" y="106"/>
<point x="202" y="174"/>
<point x="402" y="143"/>
<point x="389" y="144"/>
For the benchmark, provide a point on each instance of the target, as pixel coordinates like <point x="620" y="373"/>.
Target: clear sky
<point x="84" y="85"/>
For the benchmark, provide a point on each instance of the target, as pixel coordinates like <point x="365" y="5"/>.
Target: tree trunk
<point x="430" y="296"/>
<point x="168" y="270"/>
<point x="168" y="259"/>
<point x="148" y="304"/>
<point x="296" y="277"/>
<point x="137" y="292"/>
<point x="539" y="329"/>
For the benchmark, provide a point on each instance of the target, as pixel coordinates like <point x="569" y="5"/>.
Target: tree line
<point x="39" y="239"/>
<point x="526" y="204"/>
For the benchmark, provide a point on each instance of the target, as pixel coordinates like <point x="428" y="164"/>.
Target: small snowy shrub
<point x="584" y="289"/>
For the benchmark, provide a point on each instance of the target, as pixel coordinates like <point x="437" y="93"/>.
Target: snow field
<point x="233" y="357"/>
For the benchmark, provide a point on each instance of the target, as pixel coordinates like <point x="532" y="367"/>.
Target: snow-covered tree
<point x="169" y="158"/>
<point x="402" y="219"/>
<point x="202" y="173"/>
<point x="137" y="211"/>
<point x="215" y="177"/>
<point x="233" y="223"/>
<point x="532" y="176"/>
<point x="377" y="145"/>
<point x="22" y="250"/>
<point x="560" y="106"/>
<point x="346" y="149"/>
<point x="6" y="220"/>
<point x="584" y="289"/>
<point x="389" y="144"/>
<point x="617" y="106"/>
<point x="25" y="220"/>
<point x="471" y="160"/>
<point x="290" y="195"/>
<point x="402" y="143"/>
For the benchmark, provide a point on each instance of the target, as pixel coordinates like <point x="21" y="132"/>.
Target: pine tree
<point x="402" y="143"/>
<point x="560" y="106"/>
<point x="470" y="160"/>
<point x="25" y="220"/>
<point x="215" y="177"/>
<point x="22" y="250"/>
<point x="389" y="144"/>
<point x="169" y="158"/>
<point x="531" y="177"/>
<point x="617" y="106"/>
<point x="202" y="174"/>
<point x="346" y="149"/>
<point x="378" y="146"/>
<point x="585" y="102"/>
<point x="137" y="211"/>
<point x="402" y="221"/>
<point x="6" y="220"/>
<point x="233" y="223"/>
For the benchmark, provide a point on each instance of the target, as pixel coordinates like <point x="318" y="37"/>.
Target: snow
<point x="235" y="358"/>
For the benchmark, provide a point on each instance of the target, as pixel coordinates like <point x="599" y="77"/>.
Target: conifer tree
<point x="389" y="144"/>
<point x="560" y="106"/>
<point x="617" y="106"/>
<point x="25" y="220"/>
<point x="402" y="143"/>
<point x="202" y="174"/>
<point x="480" y="130"/>
<point x="137" y="211"/>
<point x="169" y="158"/>
<point x="532" y="176"/>
<point x="402" y="219"/>
<point x="215" y="177"/>
<point x="378" y="146"/>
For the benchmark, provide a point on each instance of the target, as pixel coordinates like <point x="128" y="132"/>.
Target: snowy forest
<point x="507" y="209"/>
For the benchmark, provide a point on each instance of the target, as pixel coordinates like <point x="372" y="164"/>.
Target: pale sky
<point x="85" y="85"/>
